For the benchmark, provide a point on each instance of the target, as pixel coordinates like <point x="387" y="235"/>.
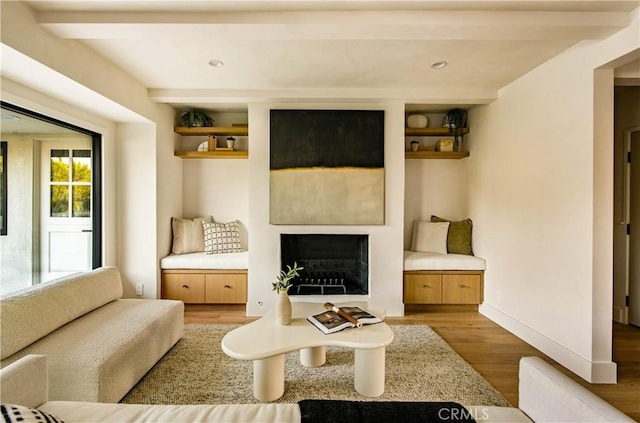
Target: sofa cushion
<point x="221" y="413"/>
<point x="33" y="313"/>
<point x="102" y="355"/>
<point x="13" y="413"/>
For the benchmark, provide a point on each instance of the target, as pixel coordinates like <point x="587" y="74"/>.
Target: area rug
<point x="420" y="366"/>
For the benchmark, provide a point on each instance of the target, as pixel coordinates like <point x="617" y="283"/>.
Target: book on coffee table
<point x="337" y="319"/>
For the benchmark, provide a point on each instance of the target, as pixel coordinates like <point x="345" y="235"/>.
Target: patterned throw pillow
<point x="222" y="238"/>
<point x="22" y="414"/>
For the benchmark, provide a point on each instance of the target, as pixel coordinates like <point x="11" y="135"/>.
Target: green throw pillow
<point x="459" y="236"/>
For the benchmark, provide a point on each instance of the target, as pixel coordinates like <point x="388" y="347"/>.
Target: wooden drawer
<point x="206" y="286"/>
<point x="422" y="289"/>
<point x="443" y="287"/>
<point x="226" y="288"/>
<point x="461" y="289"/>
<point x="186" y="287"/>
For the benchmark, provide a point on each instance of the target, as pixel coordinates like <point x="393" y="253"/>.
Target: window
<point x="70" y="183"/>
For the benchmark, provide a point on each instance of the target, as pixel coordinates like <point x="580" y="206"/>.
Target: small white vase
<point x="283" y="308"/>
<point x="231" y="143"/>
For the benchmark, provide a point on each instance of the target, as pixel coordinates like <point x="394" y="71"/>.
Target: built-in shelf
<point x="431" y="154"/>
<point x="235" y="154"/>
<point x="432" y="132"/>
<point x="213" y="130"/>
<point x="237" y="131"/>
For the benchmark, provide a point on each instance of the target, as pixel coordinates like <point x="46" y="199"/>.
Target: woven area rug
<point x="420" y="366"/>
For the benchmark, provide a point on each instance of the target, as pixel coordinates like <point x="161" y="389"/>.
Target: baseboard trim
<point x="591" y="371"/>
<point x="620" y="315"/>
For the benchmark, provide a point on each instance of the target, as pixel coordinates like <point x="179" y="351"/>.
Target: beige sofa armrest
<point x="547" y="395"/>
<point x="25" y="382"/>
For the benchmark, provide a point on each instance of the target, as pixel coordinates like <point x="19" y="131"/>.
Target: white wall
<point x="148" y="158"/>
<point x="540" y="184"/>
<point x="16" y="247"/>
<point x="385" y="241"/>
<point x="434" y="187"/>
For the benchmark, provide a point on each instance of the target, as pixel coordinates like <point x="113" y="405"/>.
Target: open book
<point x="337" y="319"/>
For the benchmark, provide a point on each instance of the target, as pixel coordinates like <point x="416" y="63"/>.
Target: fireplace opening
<point x="333" y="264"/>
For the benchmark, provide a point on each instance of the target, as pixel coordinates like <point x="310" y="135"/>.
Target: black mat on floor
<point x="325" y="411"/>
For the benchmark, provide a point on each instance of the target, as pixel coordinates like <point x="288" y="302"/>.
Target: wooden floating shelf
<point x="431" y="132"/>
<point x="235" y="154"/>
<point x="430" y="154"/>
<point x="213" y="130"/>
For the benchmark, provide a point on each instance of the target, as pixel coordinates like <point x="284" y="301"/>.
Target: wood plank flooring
<point x="491" y="350"/>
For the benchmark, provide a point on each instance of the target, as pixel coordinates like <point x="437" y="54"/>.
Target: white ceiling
<point x="313" y="50"/>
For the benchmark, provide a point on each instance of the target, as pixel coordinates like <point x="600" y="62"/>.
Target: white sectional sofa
<point x="545" y="395"/>
<point x="98" y="345"/>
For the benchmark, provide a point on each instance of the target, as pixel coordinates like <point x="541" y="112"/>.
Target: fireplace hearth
<point x="334" y="264"/>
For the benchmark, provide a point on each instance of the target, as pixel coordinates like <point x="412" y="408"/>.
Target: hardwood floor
<point x="491" y="350"/>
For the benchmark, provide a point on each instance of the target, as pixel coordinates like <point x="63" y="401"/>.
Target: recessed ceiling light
<point x="439" y="65"/>
<point x="216" y="63"/>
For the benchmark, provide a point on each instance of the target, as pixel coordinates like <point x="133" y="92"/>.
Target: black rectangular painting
<point x="327" y="167"/>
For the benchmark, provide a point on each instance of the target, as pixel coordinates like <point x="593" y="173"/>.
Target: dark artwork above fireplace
<point x="333" y="264"/>
<point x="326" y="167"/>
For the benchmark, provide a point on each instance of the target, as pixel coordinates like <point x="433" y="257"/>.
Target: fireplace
<point x="334" y="264"/>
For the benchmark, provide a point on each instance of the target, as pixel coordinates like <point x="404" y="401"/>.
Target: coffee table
<point x="265" y="342"/>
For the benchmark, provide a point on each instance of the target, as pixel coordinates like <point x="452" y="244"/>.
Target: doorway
<point x="54" y="198"/>
<point x="632" y="194"/>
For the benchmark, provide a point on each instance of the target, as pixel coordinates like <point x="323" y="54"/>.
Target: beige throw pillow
<point x="430" y="237"/>
<point x="188" y="234"/>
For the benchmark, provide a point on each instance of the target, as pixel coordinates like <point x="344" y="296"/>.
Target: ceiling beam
<point x="336" y="25"/>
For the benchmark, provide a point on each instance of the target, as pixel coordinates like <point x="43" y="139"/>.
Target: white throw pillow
<point x="222" y="238"/>
<point x="188" y="234"/>
<point x="430" y="237"/>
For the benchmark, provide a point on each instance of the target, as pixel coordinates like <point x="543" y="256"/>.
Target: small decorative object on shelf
<point x="281" y="286"/>
<point x="456" y="119"/>
<point x="417" y="121"/>
<point x="194" y="118"/>
<point x="444" y="145"/>
<point x="231" y="142"/>
<point x="415" y="145"/>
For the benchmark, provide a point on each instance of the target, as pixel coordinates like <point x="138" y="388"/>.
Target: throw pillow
<point x="222" y="238"/>
<point x="459" y="236"/>
<point x="20" y="413"/>
<point x="188" y="234"/>
<point x="430" y="237"/>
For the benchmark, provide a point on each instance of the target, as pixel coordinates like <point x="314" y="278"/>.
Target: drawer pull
<point x="185" y="286"/>
<point x="462" y="286"/>
<point x="227" y="286"/>
<point x="425" y="286"/>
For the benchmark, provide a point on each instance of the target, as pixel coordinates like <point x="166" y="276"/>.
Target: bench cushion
<point x="223" y="261"/>
<point x="414" y="260"/>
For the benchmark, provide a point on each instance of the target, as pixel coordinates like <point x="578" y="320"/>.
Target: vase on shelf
<point x="283" y="308"/>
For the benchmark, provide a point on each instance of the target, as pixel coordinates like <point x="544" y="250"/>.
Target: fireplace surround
<point x="334" y="264"/>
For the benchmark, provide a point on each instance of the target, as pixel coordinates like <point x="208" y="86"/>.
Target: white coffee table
<point x="265" y="342"/>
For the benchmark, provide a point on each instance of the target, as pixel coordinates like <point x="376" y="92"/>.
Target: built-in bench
<point x="199" y="278"/>
<point x="443" y="278"/>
